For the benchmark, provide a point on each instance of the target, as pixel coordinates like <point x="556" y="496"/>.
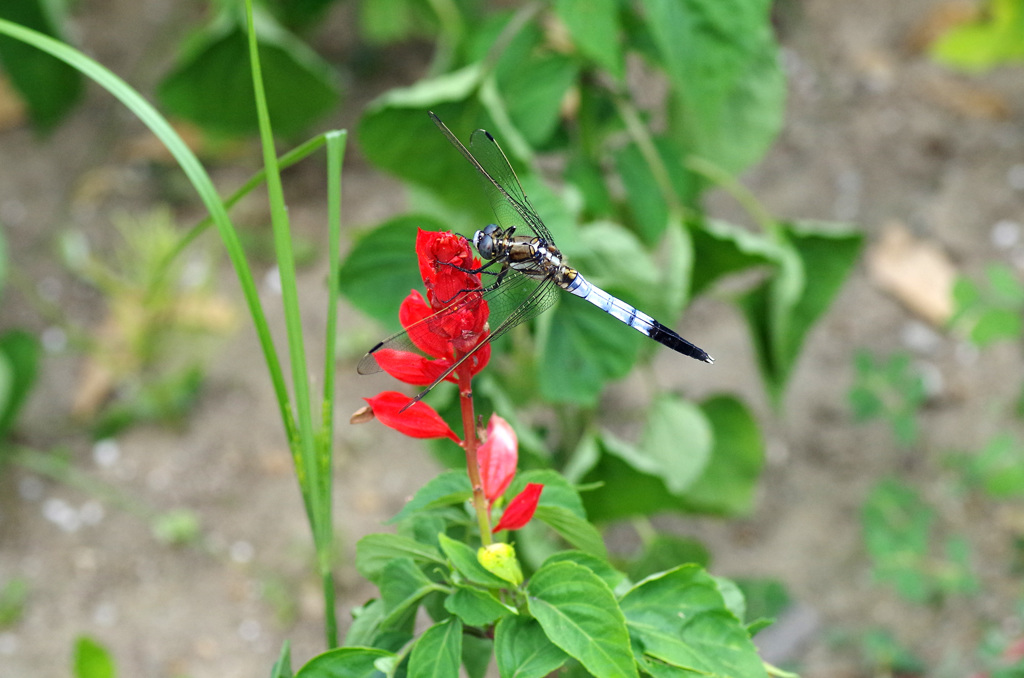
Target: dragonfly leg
<point x="499" y="278"/>
<point x="472" y="271"/>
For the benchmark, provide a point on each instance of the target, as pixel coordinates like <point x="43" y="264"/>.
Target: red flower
<point x="457" y="329"/>
<point x="497" y="458"/>
<point x="446" y="325"/>
<point x="520" y="509"/>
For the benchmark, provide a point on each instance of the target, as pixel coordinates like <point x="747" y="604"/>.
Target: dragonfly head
<point x="486" y="241"/>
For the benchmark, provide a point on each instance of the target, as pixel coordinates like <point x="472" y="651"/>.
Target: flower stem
<point x="470" y="444"/>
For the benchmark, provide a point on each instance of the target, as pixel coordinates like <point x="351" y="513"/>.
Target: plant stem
<point x="738" y="191"/>
<point x="465" y="374"/>
<point x="642" y="138"/>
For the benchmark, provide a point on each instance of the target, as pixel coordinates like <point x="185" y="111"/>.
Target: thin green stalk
<point x="304" y="448"/>
<point x="518" y="21"/>
<point x="452" y="28"/>
<point x="336" y="142"/>
<point x="196" y="174"/>
<point x="335" y="154"/>
<point x="738" y="191"/>
<point x="638" y="132"/>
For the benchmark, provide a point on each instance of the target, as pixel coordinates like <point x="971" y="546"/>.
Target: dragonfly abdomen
<point x="571" y="281"/>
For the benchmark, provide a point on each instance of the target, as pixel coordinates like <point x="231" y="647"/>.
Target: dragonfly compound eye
<point x="484" y="243"/>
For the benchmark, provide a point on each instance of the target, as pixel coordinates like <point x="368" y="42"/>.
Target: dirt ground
<point x="875" y="134"/>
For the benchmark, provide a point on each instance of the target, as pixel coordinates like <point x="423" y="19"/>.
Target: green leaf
<point x="884" y="651"/>
<point x="646" y="201"/>
<point x="581" y="350"/>
<point x="346" y="662"/>
<point x="721" y="248"/>
<point x="632" y="483"/>
<point x="999" y="467"/>
<point x="381" y="269"/>
<point x="19" y="369"/>
<point x="815" y="262"/>
<point x="282" y="668"/>
<point x="397" y="135"/>
<point x="299" y="13"/>
<point x="579" y="614"/>
<point x="599" y="566"/>
<point x="673" y="422"/>
<point x="375" y="551"/>
<point x="402" y="586"/>
<point x="615" y="260"/>
<point x="464" y="560"/>
<point x="366" y="623"/>
<point x="13" y="596"/>
<point x="49" y="86"/>
<point x="212" y="86"/>
<point x="723" y="63"/>
<point x="665" y="552"/>
<point x="729" y="481"/>
<point x="679" y="617"/>
<point x="450" y="487"/>
<point x="997" y="324"/>
<point x="994" y="38"/>
<point x="386" y="21"/>
<point x="438" y="652"/>
<point x="594" y="26"/>
<point x="92" y="660"/>
<point x="1006" y="288"/>
<point x="522" y="650"/>
<point x="765" y="598"/>
<point x="533" y="93"/>
<point x="475" y="607"/>
<point x="627" y="484"/>
<point x="476" y="655"/>
<point x="585" y="174"/>
<point x="573" y="529"/>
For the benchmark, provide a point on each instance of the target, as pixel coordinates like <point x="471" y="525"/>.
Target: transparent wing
<point x="508" y="200"/>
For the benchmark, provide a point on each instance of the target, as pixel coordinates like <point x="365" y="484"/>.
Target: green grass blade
<point x="313" y="476"/>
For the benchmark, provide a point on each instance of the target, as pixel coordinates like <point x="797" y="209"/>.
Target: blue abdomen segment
<point x="635" y="318"/>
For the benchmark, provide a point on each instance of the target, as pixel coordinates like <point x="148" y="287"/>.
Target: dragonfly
<point x="530" y="268"/>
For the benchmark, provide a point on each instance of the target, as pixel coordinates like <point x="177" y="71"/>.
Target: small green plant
<point x="997" y="469"/>
<point x="883" y="652"/>
<point x="991" y="311"/>
<point x="13" y="595"/>
<point x="143" y="359"/>
<point x="899" y="532"/>
<point x="92" y="660"/>
<point x="993" y="38"/>
<point x="888" y="389"/>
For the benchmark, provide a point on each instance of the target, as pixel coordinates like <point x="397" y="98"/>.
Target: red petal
<point x="419" y="421"/>
<point x="412" y="313"/>
<point x="435" y="250"/>
<point x="497" y="458"/>
<point x="410" y="368"/>
<point x="520" y="509"/>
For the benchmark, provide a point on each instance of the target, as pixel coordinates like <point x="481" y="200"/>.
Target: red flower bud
<point x="520" y="509"/>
